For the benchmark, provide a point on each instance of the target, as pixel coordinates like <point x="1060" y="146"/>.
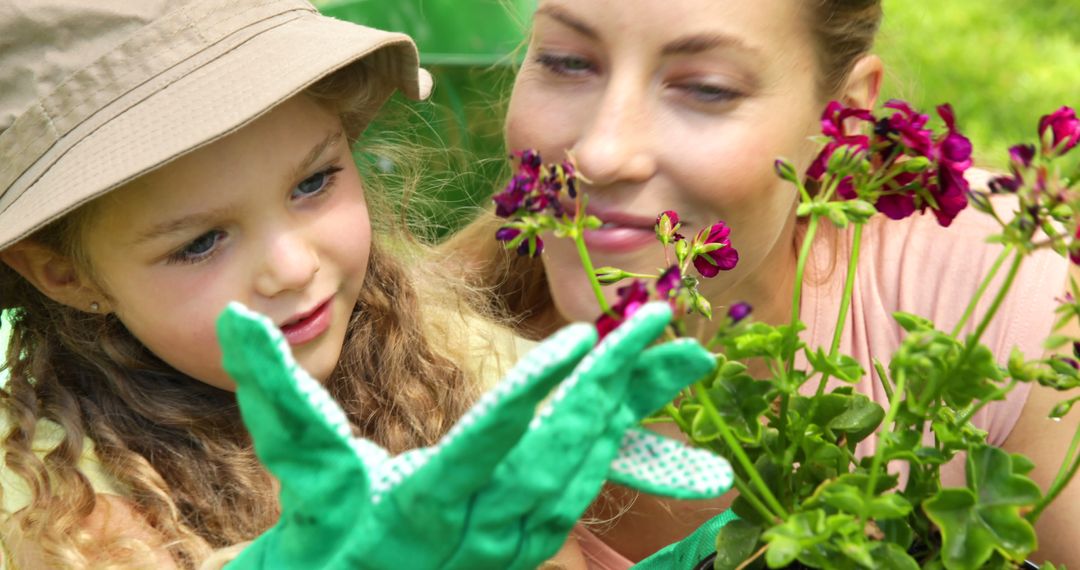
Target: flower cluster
<point x="901" y="166"/>
<point x="541" y="199"/>
<point x="805" y="496"/>
<point x="1042" y="190"/>
<point x="534" y="195"/>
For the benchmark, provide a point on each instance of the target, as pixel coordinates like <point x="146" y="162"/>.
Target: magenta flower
<point x="908" y="126"/>
<point x="509" y="234"/>
<point x="739" y="311"/>
<point x="1061" y="129"/>
<point x="1022" y="155"/>
<point x="535" y="188"/>
<point x="631" y="298"/>
<point x="669" y="282"/>
<point x="723" y="258"/>
<point x="833" y="126"/>
<point x="512" y="198"/>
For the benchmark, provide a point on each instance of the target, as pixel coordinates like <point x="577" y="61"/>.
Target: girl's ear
<point x="55" y="275"/>
<point x="864" y="83"/>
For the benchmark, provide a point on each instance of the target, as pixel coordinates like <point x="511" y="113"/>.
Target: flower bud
<point x="610" y="275"/>
<point x="785" y="170"/>
<point x="739" y="311"/>
<point x="916" y="164"/>
<point x="980" y="201"/>
<point x="667" y="224"/>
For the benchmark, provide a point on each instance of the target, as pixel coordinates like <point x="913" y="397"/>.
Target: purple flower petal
<point x="739" y="311"/>
<point x="669" y="281"/>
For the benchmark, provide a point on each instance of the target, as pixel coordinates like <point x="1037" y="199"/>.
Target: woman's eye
<point x="198" y="249"/>
<point x="316" y="183"/>
<point x="710" y="93"/>
<point x="564" y="64"/>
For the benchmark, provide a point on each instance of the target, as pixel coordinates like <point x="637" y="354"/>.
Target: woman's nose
<point x="616" y="145"/>
<point x="290" y="264"/>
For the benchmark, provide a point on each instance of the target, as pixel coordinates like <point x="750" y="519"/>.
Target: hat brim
<point x="212" y="101"/>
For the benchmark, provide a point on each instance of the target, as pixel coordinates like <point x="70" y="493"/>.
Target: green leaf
<point x="702" y="429"/>
<point x="787" y="540"/>
<point x="984" y="518"/>
<point x="741" y="401"/>
<point x="889" y="556"/>
<point x="736" y="541"/>
<point x="859" y="552"/>
<point x="838" y="366"/>
<point x="862" y="417"/>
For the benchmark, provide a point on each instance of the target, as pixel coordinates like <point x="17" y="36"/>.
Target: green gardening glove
<point x="502" y="489"/>
<point x="695" y="552"/>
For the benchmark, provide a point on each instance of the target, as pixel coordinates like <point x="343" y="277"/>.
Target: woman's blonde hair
<point x="177" y="446"/>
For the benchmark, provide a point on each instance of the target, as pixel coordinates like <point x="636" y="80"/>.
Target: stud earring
<point x="94" y="307"/>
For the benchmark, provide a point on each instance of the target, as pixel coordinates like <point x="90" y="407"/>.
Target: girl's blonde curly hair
<point x="177" y="446"/>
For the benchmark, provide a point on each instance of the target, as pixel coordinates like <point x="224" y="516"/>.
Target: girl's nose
<point x="615" y="146"/>
<point x="290" y="264"/>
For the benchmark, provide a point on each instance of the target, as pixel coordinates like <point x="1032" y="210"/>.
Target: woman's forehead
<point x="753" y="24"/>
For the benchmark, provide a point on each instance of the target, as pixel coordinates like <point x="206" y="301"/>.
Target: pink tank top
<point x="916" y="266"/>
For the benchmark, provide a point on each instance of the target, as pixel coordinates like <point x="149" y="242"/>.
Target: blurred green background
<point x="1001" y="63"/>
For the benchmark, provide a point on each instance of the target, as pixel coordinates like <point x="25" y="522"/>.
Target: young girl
<point x="163" y="159"/>
<point x="684" y="105"/>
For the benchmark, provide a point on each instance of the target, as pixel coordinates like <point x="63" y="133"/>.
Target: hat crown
<point x="44" y="42"/>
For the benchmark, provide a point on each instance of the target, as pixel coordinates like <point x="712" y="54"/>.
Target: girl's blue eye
<point x="198" y="249"/>
<point x="564" y="64"/>
<point x="316" y="183"/>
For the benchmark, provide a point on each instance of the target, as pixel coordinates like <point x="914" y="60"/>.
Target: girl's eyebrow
<point x="312" y="157"/>
<point x="208" y="217"/>
<point x="179" y="224"/>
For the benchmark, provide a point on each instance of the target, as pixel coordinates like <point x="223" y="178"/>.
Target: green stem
<point x="746" y="492"/>
<point x="737" y="450"/>
<point x="845" y="302"/>
<point x="1014" y="269"/>
<point x="590" y="271"/>
<point x="982" y="290"/>
<point x="931" y="391"/>
<point x="999" y="393"/>
<point x="1065" y="474"/>
<point x="890" y="419"/>
<point x="800" y="267"/>
<point x="677" y="417"/>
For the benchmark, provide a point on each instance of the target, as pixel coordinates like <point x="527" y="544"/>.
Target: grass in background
<point x="1001" y="63"/>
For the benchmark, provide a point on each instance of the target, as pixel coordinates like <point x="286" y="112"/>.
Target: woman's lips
<point x="621" y="232"/>
<point x="619" y="239"/>
<point x="308" y="326"/>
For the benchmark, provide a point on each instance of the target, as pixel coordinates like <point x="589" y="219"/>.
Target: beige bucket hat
<point x="94" y="93"/>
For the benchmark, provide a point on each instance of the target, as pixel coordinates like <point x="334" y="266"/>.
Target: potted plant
<point x="805" y="498"/>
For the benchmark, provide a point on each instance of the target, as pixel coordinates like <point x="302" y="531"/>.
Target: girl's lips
<point x="309" y="326"/>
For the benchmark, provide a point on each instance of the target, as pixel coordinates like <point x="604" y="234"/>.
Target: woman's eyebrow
<point x="699" y="43"/>
<point x="566" y="18"/>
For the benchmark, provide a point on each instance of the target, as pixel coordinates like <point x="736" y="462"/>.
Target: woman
<point x="684" y="105"/>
